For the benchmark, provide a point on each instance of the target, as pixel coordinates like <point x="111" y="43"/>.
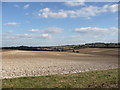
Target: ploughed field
<point x="18" y="63"/>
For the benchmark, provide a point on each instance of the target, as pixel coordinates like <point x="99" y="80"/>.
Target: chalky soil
<point x="17" y="63"/>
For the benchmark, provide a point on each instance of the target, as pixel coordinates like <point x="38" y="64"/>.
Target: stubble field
<point x="18" y="63"/>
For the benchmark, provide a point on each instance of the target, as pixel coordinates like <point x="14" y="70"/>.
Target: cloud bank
<point x="86" y="12"/>
<point x="72" y="4"/>
<point x="12" y="23"/>
<point x="96" y="31"/>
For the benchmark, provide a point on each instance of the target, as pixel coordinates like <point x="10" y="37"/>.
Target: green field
<point x="93" y="79"/>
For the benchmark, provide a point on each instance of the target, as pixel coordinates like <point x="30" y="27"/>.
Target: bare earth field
<point x="17" y="63"/>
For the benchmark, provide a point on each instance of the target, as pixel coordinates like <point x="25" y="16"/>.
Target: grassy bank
<point x="94" y="79"/>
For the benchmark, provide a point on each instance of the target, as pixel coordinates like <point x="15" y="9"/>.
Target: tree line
<point x="65" y="47"/>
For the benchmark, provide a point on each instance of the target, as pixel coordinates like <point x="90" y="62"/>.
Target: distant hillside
<point x="65" y="47"/>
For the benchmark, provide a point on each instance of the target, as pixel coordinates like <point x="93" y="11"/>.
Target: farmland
<point x="19" y="63"/>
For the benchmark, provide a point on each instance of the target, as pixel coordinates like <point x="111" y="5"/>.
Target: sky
<point x="58" y="23"/>
<point x="1" y="25"/>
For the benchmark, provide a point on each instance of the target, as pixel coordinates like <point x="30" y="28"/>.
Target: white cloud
<point x="24" y="35"/>
<point x="34" y="30"/>
<point x="12" y="23"/>
<point x="111" y="8"/>
<point x="10" y="31"/>
<point x="72" y="4"/>
<point x="46" y="12"/>
<point x="96" y="31"/>
<point x="53" y="30"/>
<point x="26" y="6"/>
<point x="16" y="5"/>
<point x="46" y="36"/>
<point x="48" y="30"/>
<point x="18" y="36"/>
<point x="86" y="12"/>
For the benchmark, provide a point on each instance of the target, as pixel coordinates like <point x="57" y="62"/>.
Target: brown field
<point x="17" y="63"/>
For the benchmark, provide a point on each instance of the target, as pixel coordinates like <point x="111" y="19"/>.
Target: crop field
<point x="18" y="63"/>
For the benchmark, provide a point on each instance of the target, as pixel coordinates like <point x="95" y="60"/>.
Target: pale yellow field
<point x="17" y="63"/>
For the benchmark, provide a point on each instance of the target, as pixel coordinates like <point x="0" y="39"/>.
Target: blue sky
<point x="0" y="24"/>
<point x="61" y="23"/>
